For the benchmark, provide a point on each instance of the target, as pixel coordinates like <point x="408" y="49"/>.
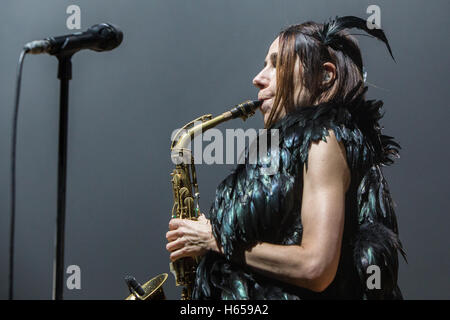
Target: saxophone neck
<point x="186" y="134"/>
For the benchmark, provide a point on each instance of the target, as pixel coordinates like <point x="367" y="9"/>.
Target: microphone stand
<point x="64" y="75"/>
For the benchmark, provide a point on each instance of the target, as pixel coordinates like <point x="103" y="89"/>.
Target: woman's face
<point x="266" y="81"/>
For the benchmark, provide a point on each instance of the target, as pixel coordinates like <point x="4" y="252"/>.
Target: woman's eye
<point x="273" y="59"/>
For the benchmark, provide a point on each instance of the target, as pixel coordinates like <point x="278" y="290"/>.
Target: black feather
<point x="377" y="245"/>
<point x="330" y="32"/>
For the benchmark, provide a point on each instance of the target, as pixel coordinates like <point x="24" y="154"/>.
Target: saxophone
<point x="186" y="200"/>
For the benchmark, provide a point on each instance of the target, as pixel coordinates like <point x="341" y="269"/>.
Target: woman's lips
<point x="264" y="98"/>
<point x="265" y="105"/>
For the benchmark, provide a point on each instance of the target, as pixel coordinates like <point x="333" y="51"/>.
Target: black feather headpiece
<point x="330" y="36"/>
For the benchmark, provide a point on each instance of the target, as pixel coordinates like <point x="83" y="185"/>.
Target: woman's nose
<point x="260" y="81"/>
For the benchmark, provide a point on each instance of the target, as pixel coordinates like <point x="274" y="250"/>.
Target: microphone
<point x="99" y="37"/>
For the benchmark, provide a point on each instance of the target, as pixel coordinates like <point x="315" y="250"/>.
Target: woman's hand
<point x="189" y="238"/>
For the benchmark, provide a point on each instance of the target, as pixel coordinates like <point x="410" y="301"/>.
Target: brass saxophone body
<point x="186" y="194"/>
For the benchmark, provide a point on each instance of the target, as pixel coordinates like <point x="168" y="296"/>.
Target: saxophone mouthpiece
<point x="245" y="109"/>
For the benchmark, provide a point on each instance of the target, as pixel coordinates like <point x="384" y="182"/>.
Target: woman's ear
<point x="329" y="74"/>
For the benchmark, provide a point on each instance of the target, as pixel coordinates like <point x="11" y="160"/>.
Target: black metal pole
<point x="64" y="74"/>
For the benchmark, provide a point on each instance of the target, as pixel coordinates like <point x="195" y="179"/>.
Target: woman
<point x="317" y="227"/>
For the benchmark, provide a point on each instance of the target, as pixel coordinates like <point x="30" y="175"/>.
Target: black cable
<point x="13" y="172"/>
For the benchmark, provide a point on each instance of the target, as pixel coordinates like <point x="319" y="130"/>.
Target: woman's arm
<point x="313" y="264"/>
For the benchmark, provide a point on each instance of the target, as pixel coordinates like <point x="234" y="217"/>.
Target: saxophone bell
<point x="151" y="290"/>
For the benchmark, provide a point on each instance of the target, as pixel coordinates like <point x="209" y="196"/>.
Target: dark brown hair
<point x="303" y="41"/>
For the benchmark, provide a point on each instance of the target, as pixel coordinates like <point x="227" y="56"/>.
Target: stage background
<point x="178" y="60"/>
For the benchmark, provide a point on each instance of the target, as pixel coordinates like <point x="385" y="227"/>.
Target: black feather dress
<point x="252" y="206"/>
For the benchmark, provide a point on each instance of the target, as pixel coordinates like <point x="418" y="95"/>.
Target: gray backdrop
<point x="181" y="59"/>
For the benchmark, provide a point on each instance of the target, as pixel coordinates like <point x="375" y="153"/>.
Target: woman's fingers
<point x="181" y="253"/>
<point x="174" y="234"/>
<point x="180" y="249"/>
<point x="185" y="230"/>
<point x="175" y="245"/>
<point x="176" y="223"/>
<point x="188" y="238"/>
